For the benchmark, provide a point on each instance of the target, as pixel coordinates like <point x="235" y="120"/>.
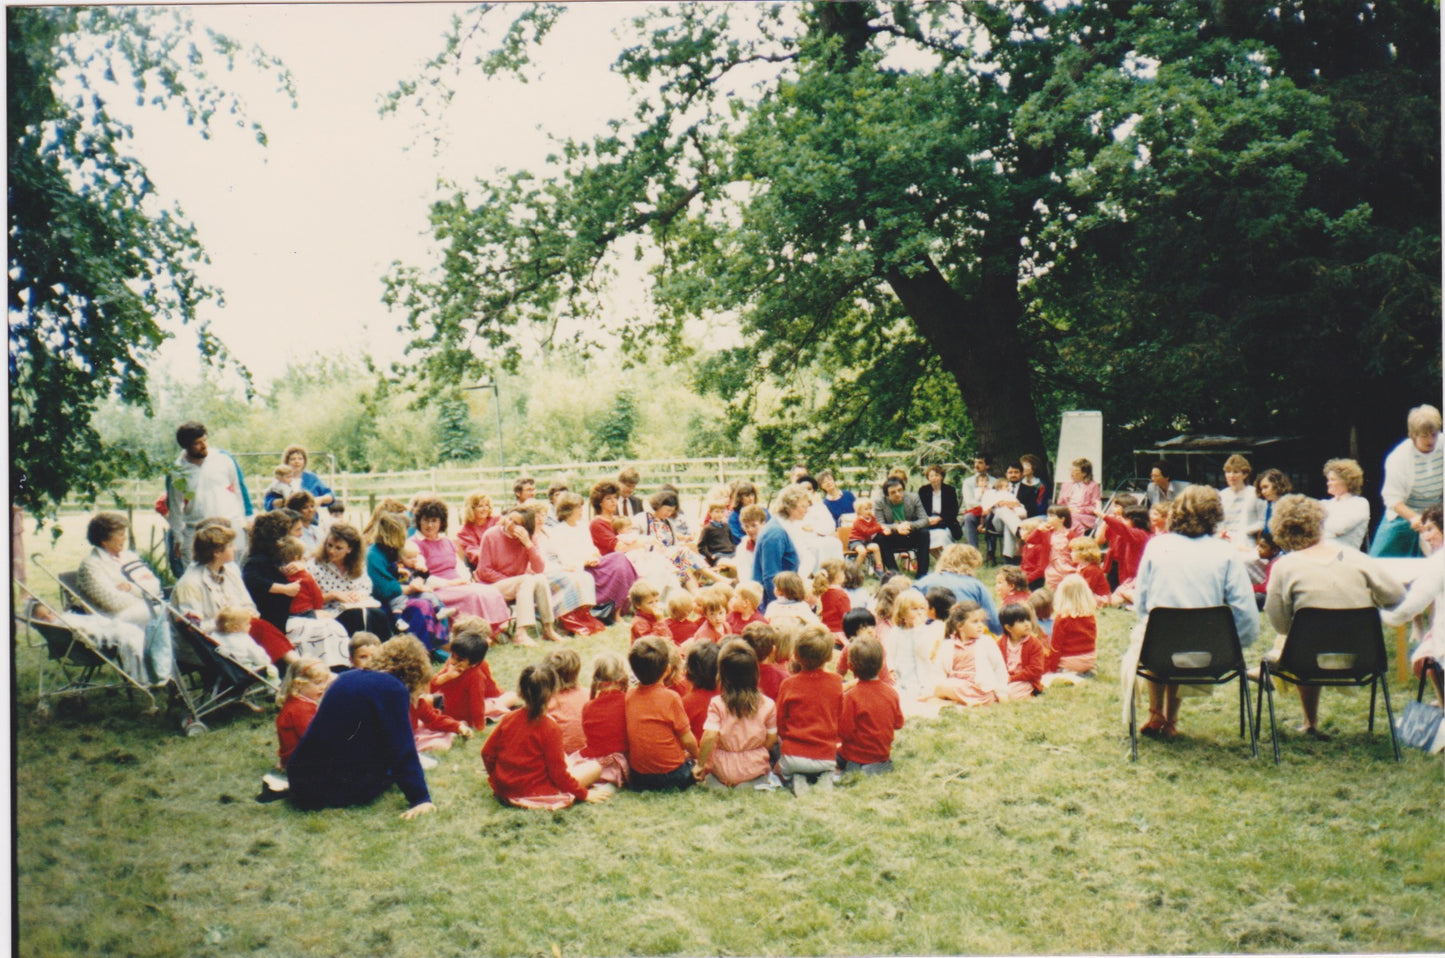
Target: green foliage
<point x="97" y="265"/>
<point x="615" y="430"/>
<point x="457" y="436"/>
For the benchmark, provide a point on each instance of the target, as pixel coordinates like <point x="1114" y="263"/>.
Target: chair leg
<point x="1372" y="705"/>
<point x="1266" y="689"/>
<point x="1389" y="713"/>
<point x="1133" y="723"/>
<point x="1244" y="714"/>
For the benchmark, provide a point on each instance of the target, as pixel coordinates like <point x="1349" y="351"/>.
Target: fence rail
<point x="692" y="477"/>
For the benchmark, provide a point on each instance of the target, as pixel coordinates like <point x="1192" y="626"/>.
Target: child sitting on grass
<point x="660" y="744"/>
<point x="913" y="651"/>
<point x="809" y="706"/>
<point x="791" y="602"/>
<point x="525" y="761"/>
<point x="740" y="727"/>
<point x="974" y="667"/>
<point x="743" y="607"/>
<point x="567" y="704"/>
<point x="885" y="600"/>
<point x="362" y="648"/>
<point x="702" y="679"/>
<point x="763" y="639"/>
<point x="682" y="620"/>
<point x="861" y="623"/>
<point x="712" y="607"/>
<point x="1073" y="638"/>
<point x="1011" y="585"/>
<point x="300" y="695"/>
<point x="1041" y="603"/>
<point x="861" y="546"/>
<point x="646" y="615"/>
<point x="469" y="693"/>
<point x="832" y="600"/>
<point x="1023" y="653"/>
<point x="1087" y="556"/>
<point x="871" y="713"/>
<point x="853" y="585"/>
<point x="604" y="719"/>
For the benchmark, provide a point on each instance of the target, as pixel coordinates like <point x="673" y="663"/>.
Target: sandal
<point x="1154" y="728"/>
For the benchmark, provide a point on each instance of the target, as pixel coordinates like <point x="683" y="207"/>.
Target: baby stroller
<point x="208" y="679"/>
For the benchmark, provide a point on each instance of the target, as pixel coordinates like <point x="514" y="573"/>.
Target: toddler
<point x="525" y="762"/>
<point x="308" y="600"/>
<point x="702" y="660"/>
<point x="763" y="639"/>
<point x="682" y="620"/>
<point x="833" y="601"/>
<point x="1074" y="634"/>
<point x="1011" y="585"/>
<point x="712" y="602"/>
<point x="660" y="744"/>
<point x="646" y="612"/>
<point x="860" y="537"/>
<point x="604" y="719"/>
<point x="569" y="700"/>
<point x="976" y="673"/>
<point x="790" y="604"/>
<point x="469" y="693"/>
<point x="741" y="726"/>
<point x="716" y="540"/>
<point x="871" y="713"/>
<point x="1087" y="557"/>
<point x="1023" y="653"/>
<point x="306" y="681"/>
<point x="233" y="638"/>
<point x="810" y="704"/>
<point x="743" y="607"/>
<point x="362" y="648"/>
<point x="280" y="488"/>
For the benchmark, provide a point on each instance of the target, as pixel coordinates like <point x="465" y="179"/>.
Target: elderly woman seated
<point x="119" y="585"/>
<point x="1318" y="574"/>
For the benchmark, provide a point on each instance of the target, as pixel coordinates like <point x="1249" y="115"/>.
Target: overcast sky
<point x="301" y="231"/>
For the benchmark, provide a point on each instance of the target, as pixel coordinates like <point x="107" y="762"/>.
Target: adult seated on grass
<point x="956" y="568"/>
<point x="1186" y="568"/>
<point x="360" y="743"/>
<point x="1413" y="480"/>
<point x="1315" y="574"/>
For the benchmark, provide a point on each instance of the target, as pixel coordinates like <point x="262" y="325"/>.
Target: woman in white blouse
<point x="1243" y="512"/>
<point x="1347" y="513"/>
<point x="339" y="568"/>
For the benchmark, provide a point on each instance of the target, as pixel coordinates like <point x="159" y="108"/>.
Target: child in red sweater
<point x="702" y="679"/>
<point x="764" y="640"/>
<point x="743" y="607"/>
<point x="646" y="616"/>
<point x="833" y="601"/>
<point x="526" y="765"/>
<point x="300" y="694"/>
<point x="1074" y="635"/>
<point x="871" y="713"/>
<point x="1126" y="531"/>
<point x="861" y="534"/>
<point x="308" y="599"/>
<point x="712" y="602"/>
<point x="660" y="745"/>
<point x="1087" y="557"/>
<point x="682" y="618"/>
<point x="1011" y="585"/>
<point x="604" y="719"/>
<point x="1023" y="653"/>
<point x="810" y="704"/>
<point x="567" y="704"/>
<point x="469" y="693"/>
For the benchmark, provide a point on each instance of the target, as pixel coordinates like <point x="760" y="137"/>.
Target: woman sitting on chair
<point x="122" y="588"/>
<point x="1317" y="574"/>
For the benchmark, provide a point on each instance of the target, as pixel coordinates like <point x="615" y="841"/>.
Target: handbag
<point x="1419" y="726"/>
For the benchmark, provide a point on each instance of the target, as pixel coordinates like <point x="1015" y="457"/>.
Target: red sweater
<point x="425" y="715"/>
<point x="737" y="621"/>
<point x="656" y="723"/>
<point x="870" y="716"/>
<point x="309" y="598"/>
<point x="604" y="720"/>
<point x="644" y="624"/>
<point x="1031" y="661"/>
<point x="770" y="678"/>
<point x="809" y="706"/>
<point x="524" y="758"/>
<point x="1034" y="555"/>
<point x="695" y="704"/>
<point x="832" y="605"/>
<point x="885" y="674"/>
<point x="1126" y="545"/>
<point x="1098" y="584"/>
<point x="566" y="711"/>
<point x="1074" y="635"/>
<point x="680" y="630"/>
<point x="464" y="698"/>
<point x="864" y="529"/>
<point x="499" y="557"/>
<point x="291" y="723"/>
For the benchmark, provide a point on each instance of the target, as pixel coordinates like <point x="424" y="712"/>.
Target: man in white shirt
<point x="203" y="484"/>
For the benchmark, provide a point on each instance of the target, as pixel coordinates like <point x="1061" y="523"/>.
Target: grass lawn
<point x="1019" y="828"/>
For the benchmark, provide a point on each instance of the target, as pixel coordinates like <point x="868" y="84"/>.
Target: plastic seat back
<point x="1191" y="646"/>
<point x="1333" y="647"/>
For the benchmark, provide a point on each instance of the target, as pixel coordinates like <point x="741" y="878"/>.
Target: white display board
<point x="1081" y="436"/>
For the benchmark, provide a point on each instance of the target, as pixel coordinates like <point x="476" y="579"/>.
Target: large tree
<point x="100" y="268"/>
<point x="1137" y="206"/>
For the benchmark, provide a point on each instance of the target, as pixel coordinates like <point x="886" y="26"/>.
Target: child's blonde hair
<point x="641" y="593"/>
<point x="785" y="638"/>
<point x="959" y="558"/>
<point x="906" y="604"/>
<point x="680" y="604"/>
<point x="302" y="670"/>
<point x="887" y="596"/>
<point x="712" y="601"/>
<point x="608" y="669"/>
<point x="863" y="507"/>
<point x="1086" y="550"/>
<point x="290" y="549"/>
<point x="752" y="591"/>
<point x="1074" y="599"/>
<point x="789" y="585"/>
<point x="282" y="472"/>
<point x="234" y="618"/>
<point x="813" y="646"/>
<point x="566" y="664"/>
<point x="829" y="572"/>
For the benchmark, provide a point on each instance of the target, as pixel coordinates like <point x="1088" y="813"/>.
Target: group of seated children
<point x="1053" y="550"/>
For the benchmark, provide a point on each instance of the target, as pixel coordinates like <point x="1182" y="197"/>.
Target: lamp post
<point x="497" y="405"/>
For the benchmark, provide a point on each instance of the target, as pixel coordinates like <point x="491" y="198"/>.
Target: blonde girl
<point x="913" y="649"/>
<point x="741" y="725"/>
<point x="883" y="602"/>
<point x="833" y="599"/>
<point x="1087" y="558"/>
<point x="604" y="722"/>
<point x="1073" y="639"/>
<point x="300" y="695"/>
<point x="567" y="704"/>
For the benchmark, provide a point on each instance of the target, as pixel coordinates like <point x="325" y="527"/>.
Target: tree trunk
<point x="978" y="343"/>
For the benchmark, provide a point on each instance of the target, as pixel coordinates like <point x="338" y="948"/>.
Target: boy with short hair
<point x="469" y="693"/>
<point x="940" y="600"/>
<point x="646" y="615"/>
<point x="682" y="621"/>
<point x="871" y="713"/>
<point x="810" y="704"/>
<point x="764" y="640"/>
<point x="660" y="743"/>
<point x="361" y="648"/>
<point x="743" y="607"/>
<point x="860" y="623"/>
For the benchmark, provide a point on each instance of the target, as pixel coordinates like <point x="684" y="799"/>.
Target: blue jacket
<point x="774" y="553"/>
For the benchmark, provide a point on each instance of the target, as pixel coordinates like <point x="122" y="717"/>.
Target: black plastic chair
<point x="1331" y="647"/>
<point x="1427" y="668"/>
<point x="1193" y="647"/>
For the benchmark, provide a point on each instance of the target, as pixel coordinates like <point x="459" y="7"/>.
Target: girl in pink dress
<point x="451" y="583"/>
<point x="741" y="725"/>
<point x="977" y="674"/>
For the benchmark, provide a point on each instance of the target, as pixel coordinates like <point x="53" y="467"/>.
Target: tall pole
<point x="497" y="405"/>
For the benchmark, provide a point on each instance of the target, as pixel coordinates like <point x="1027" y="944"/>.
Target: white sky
<point x="301" y="231"/>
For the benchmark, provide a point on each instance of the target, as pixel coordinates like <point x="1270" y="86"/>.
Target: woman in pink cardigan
<point x="1081" y="494"/>
<point x="509" y="559"/>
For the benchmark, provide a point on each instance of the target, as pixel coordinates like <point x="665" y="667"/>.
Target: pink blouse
<point x="741" y="751"/>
